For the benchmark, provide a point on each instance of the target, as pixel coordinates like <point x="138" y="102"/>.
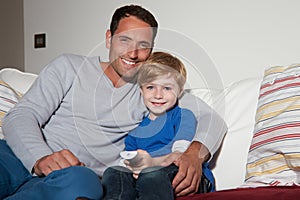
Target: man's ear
<point x="108" y="39"/>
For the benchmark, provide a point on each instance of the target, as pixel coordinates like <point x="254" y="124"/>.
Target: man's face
<point x="130" y="45"/>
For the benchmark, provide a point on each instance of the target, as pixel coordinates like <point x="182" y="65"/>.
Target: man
<point x="72" y="123"/>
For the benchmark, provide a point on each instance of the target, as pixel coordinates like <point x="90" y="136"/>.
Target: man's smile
<point x="130" y="63"/>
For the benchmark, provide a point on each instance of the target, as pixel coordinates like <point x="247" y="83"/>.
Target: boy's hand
<point x="171" y="158"/>
<point x="142" y="161"/>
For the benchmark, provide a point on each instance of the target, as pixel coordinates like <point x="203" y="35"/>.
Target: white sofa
<point x="236" y="103"/>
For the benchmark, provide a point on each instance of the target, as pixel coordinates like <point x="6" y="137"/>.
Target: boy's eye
<point x="167" y="88"/>
<point x="149" y="87"/>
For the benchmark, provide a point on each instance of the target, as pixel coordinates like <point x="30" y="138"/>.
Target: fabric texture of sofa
<point x="237" y="104"/>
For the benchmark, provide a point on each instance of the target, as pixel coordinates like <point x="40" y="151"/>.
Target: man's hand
<point x="187" y="180"/>
<point x="57" y="160"/>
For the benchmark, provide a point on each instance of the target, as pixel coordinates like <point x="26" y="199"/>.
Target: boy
<point x="165" y="131"/>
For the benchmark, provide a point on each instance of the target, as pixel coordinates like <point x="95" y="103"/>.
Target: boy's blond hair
<point x="160" y="64"/>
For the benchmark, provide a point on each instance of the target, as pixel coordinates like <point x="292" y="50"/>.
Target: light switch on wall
<point x="40" y="40"/>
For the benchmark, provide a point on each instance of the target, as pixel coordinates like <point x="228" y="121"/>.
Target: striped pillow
<point x="8" y="98"/>
<point x="274" y="155"/>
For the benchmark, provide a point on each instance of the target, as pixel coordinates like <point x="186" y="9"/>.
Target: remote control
<point x="132" y="156"/>
<point x="128" y="155"/>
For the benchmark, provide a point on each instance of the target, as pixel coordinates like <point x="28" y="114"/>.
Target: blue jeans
<point x="70" y="183"/>
<point x="152" y="183"/>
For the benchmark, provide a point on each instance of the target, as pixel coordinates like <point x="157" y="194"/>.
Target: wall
<point x="11" y="34"/>
<point x="223" y="41"/>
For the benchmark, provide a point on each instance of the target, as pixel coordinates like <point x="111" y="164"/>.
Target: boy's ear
<point x="141" y="90"/>
<point x="108" y="38"/>
<point x="180" y="93"/>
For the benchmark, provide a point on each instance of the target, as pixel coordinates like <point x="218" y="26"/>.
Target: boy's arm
<point x="185" y="124"/>
<point x="143" y="159"/>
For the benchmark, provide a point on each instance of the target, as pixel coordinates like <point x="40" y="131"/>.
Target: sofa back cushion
<point x="237" y="105"/>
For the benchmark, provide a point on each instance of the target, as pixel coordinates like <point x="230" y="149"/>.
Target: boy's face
<point x="130" y="45"/>
<point x="160" y="95"/>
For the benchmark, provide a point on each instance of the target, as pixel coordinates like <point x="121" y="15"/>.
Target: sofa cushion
<point x="273" y="158"/>
<point x="8" y="98"/>
<point x="260" y="193"/>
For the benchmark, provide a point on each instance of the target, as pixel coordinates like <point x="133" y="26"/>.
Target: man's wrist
<point x="203" y="152"/>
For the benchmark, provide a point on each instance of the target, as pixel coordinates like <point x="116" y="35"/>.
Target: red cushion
<point x="260" y="193"/>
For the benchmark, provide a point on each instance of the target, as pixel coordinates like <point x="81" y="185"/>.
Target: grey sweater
<point x="73" y="105"/>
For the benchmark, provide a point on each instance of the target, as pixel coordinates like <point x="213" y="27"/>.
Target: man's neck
<point x="114" y="77"/>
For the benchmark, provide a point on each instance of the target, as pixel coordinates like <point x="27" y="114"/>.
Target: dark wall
<point x="11" y="34"/>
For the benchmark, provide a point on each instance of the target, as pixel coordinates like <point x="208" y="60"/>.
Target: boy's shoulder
<point x="180" y="111"/>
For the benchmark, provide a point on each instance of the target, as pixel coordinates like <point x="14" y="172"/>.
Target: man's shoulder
<point x="74" y="57"/>
<point x="71" y="62"/>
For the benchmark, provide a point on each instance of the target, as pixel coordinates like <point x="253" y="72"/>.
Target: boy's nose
<point x="158" y="93"/>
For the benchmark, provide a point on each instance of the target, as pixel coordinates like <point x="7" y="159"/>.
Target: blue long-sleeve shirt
<point x="158" y="136"/>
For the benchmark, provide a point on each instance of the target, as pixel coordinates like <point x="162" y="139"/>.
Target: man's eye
<point x="144" y="45"/>
<point x="124" y="40"/>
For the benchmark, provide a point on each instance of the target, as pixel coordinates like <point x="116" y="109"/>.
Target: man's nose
<point x="133" y="52"/>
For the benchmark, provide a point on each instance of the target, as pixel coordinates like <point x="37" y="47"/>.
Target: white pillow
<point x="20" y="81"/>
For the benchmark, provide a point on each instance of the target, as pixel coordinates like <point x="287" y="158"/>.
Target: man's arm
<point x="211" y="130"/>
<point x="190" y="169"/>
<point x="22" y="126"/>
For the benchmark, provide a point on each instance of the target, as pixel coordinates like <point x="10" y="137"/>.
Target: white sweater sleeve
<point x="180" y="145"/>
<point x="22" y="126"/>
